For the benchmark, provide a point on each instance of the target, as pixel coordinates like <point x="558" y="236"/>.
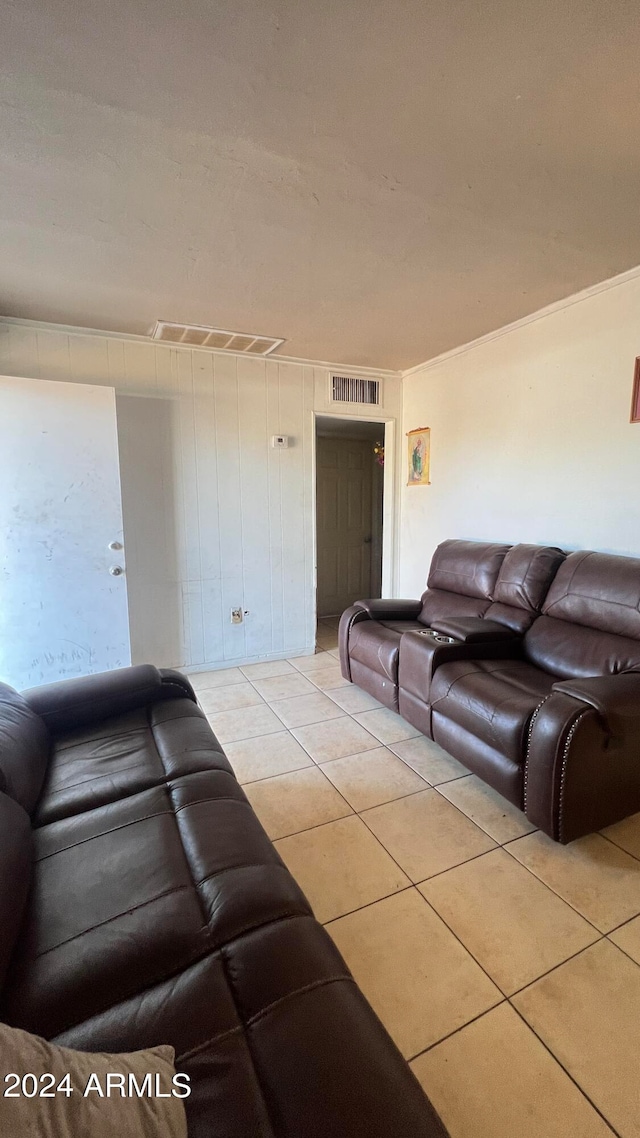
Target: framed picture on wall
<point x="419" y="455"/>
<point x="635" y="399"/>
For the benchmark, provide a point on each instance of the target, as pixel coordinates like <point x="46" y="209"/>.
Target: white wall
<point x="214" y="517"/>
<point x="530" y="434"/>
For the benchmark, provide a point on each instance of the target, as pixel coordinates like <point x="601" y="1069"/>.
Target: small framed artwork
<point x="419" y="455"/>
<point x="635" y="398"/>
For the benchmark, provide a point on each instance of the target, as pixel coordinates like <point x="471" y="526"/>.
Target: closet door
<point x="344" y="522"/>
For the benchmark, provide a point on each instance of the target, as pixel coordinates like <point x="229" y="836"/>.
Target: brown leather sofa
<point x="467" y="579"/>
<point x="142" y="903"/>
<point x="545" y="708"/>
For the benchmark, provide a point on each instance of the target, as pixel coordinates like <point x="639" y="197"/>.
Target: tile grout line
<point x="501" y="845"/>
<point x="612" y="843"/>
<point x="367" y="905"/>
<point x="428" y="785"/>
<point x="478" y="824"/>
<point x="457" y="1030"/>
<point x="268" y="777"/>
<point x="569" y="904"/>
<point x="463" y="945"/>
<point x="505" y="999"/>
<point x="307" y="829"/>
<point x="619" y="948"/>
<point x="414" y="885"/>
<point x="498" y="845"/>
<point x="556" y="1060"/>
<point x="574" y="955"/>
<point x="566" y="1070"/>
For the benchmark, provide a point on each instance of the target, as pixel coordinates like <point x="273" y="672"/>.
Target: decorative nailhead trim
<point x="527" y="756"/>
<point x="565" y="763"/>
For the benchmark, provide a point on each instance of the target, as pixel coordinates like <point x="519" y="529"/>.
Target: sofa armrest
<point x="582" y="768"/>
<point x="390" y="609"/>
<point x="473" y="629"/>
<point x="76" y="703"/>
<point x="352" y="615"/>
<point x="615" y="698"/>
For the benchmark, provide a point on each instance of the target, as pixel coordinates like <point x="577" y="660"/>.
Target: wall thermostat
<point x="280" y="441"/>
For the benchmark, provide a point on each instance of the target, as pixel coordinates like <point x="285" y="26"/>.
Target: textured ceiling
<point x="376" y="182"/>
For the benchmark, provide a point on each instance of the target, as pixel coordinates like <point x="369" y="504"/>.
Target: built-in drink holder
<point x="439" y="637"/>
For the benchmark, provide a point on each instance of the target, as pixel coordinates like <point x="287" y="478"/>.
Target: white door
<point x="62" y="612"/>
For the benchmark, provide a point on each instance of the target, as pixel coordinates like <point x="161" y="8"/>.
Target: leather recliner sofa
<point x="467" y="579"/>
<point x="142" y="903"/>
<point x="549" y="716"/>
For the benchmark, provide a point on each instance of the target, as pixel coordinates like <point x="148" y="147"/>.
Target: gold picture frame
<point x="419" y="456"/>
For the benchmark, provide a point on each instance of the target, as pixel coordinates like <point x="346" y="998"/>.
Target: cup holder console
<point x="437" y="636"/>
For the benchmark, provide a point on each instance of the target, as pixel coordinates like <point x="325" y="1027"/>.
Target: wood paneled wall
<point x="215" y="517"/>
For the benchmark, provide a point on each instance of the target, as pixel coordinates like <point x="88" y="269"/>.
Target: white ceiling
<point x="375" y="181"/>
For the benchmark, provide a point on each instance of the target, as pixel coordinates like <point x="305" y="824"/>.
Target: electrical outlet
<point x="236" y="616"/>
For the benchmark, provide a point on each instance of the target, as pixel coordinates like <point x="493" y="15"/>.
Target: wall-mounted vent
<point x="199" y="336"/>
<point x="351" y="389"/>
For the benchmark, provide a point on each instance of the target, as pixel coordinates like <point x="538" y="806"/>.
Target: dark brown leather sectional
<point x="142" y="903"/>
<point x="523" y="663"/>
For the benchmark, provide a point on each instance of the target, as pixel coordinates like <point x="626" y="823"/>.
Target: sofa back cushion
<point x="24" y="749"/>
<point x="523" y="582"/>
<point x="590" y="623"/>
<point x="438" y="603"/>
<point x="467" y="569"/>
<point x="15" y="874"/>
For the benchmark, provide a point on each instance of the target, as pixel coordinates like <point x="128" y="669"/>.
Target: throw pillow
<point x="48" y="1091"/>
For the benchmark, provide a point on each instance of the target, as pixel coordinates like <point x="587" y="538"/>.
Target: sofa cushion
<point x="372" y="644"/>
<point x="132" y="892"/>
<point x="124" y="755"/>
<point x="237" y="980"/>
<point x="492" y="699"/>
<point x="591" y="618"/>
<point x="437" y="603"/>
<point x="24" y="749"/>
<point x="401" y="626"/>
<point x="16" y="857"/>
<point x="599" y="591"/>
<point x="467" y="567"/>
<point x="277" y="1039"/>
<point x="523" y="581"/>
<point x="570" y="651"/>
<point x="526" y="574"/>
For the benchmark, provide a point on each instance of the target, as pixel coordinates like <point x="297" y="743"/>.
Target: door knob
<point x="116" y="570"/>
<point x="367" y="540"/>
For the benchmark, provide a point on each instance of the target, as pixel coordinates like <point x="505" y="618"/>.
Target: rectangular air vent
<point x="351" y="389"/>
<point x="200" y="336"/>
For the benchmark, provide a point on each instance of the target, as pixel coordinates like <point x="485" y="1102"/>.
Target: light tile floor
<point x="505" y="966"/>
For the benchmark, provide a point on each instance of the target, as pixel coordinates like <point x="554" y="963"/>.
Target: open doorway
<point x="349" y="512"/>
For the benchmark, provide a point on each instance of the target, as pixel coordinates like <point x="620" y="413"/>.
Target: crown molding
<point x="72" y="330"/>
<point x="549" y="310"/>
<point x="496" y="334"/>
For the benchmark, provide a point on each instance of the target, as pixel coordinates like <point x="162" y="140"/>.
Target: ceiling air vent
<point x="351" y="389"/>
<point x="199" y="336"/>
